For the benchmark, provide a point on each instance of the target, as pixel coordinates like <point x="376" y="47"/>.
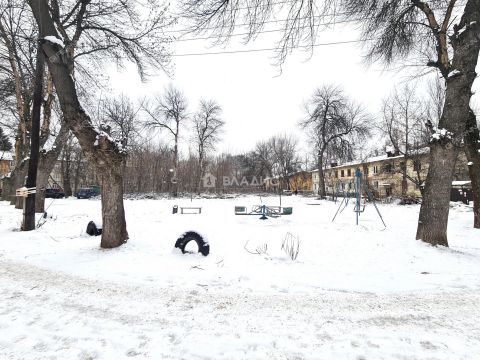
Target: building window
<point x="376" y="184"/>
<point x="342" y="173"/>
<point x="366" y="170"/>
<point x="349" y="172"/>
<point x="336" y="174"/>
<point x="388" y="168"/>
<point x="375" y="169"/>
<point x="417" y="165"/>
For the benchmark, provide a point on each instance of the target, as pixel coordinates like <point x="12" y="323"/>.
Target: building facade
<point x="385" y="175"/>
<point x="6" y="162"/>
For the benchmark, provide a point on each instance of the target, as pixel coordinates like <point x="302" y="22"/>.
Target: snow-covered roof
<point x="373" y="159"/>
<point x="6" y="155"/>
<point x="461" y="183"/>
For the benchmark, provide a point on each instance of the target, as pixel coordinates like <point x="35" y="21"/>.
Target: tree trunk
<point x="175" y="166"/>
<point x="321" y="178"/>
<point x="46" y="164"/>
<point x="472" y="148"/>
<point x="18" y="181"/>
<point x="99" y="150"/>
<point x="201" y="171"/>
<point x="433" y="217"/>
<point x="29" y="210"/>
<point x="114" y="232"/>
<point x="66" y="169"/>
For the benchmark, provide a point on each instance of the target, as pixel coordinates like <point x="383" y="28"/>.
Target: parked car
<point x="287" y="192"/>
<point x="85" y="193"/>
<point x="54" y="193"/>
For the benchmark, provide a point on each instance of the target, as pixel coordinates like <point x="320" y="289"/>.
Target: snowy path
<point x="52" y="315"/>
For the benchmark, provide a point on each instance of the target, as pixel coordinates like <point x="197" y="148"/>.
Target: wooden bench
<point x="190" y="210"/>
<point x="240" y="210"/>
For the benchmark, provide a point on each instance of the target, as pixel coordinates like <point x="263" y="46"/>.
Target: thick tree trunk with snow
<point x="114" y="232"/>
<point x="98" y="148"/>
<point x="472" y="148"/>
<point x="433" y="218"/>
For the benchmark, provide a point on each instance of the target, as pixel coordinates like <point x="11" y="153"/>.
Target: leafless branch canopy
<point x="208" y="125"/>
<point x="334" y="123"/>
<point x="105" y="30"/>
<point x="166" y="111"/>
<point x="392" y="29"/>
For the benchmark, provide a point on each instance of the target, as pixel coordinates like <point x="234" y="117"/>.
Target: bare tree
<point x="17" y="66"/>
<point x="440" y="34"/>
<point x="403" y="125"/>
<point x="108" y="29"/>
<point x="208" y="124"/>
<point x="333" y="123"/>
<point x="285" y="157"/>
<point x="168" y="112"/>
<point x="122" y="116"/>
<point x="263" y="158"/>
<point x="5" y="144"/>
<point x="447" y="40"/>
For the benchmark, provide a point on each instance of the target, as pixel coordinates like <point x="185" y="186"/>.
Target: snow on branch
<point x="441" y="134"/>
<point x="55" y="40"/>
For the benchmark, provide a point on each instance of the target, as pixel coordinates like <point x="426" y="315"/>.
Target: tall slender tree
<point x="403" y="125"/>
<point x="168" y="112"/>
<point x="207" y="126"/>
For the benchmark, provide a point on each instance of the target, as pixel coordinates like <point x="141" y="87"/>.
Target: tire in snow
<point x="93" y="230"/>
<point x="203" y="246"/>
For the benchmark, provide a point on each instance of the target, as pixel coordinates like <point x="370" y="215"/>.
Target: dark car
<point x="85" y="193"/>
<point x="54" y="193"/>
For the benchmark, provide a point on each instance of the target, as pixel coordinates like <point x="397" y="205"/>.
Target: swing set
<point x="359" y="187"/>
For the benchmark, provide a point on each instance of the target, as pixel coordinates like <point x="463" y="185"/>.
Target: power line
<point x="264" y="31"/>
<point x="269" y="49"/>
<point x="190" y="30"/>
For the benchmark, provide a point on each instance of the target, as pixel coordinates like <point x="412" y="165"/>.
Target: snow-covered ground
<point x="354" y="292"/>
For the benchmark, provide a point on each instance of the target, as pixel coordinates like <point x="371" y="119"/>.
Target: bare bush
<point x="291" y="246"/>
<point x="261" y="249"/>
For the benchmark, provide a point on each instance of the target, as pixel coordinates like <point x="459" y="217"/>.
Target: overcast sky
<point x="257" y="100"/>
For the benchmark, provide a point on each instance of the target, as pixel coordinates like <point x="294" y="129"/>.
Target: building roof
<point x="373" y="159"/>
<point x="6" y="155"/>
<point x="461" y="183"/>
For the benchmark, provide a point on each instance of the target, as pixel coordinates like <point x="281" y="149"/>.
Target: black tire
<point x="92" y="229"/>
<point x="203" y="246"/>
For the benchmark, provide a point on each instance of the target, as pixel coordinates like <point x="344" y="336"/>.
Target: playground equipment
<point x="264" y="210"/>
<point x="185" y="238"/>
<point x="359" y="187"/>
